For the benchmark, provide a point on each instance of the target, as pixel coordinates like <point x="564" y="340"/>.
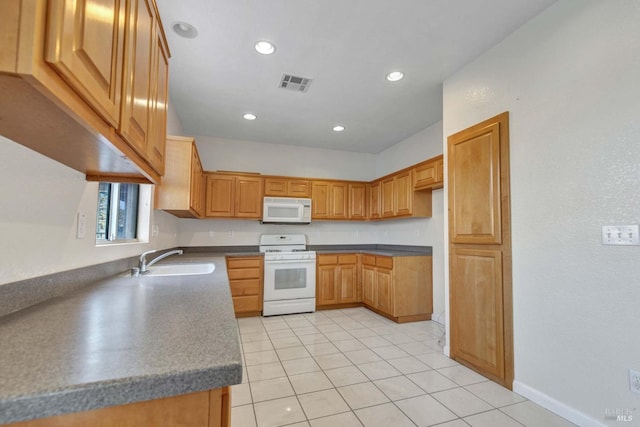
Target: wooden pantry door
<point x="480" y="249"/>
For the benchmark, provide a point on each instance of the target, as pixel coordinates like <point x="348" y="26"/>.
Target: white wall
<point x="280" y="159"/>
<point x="570" y="80"/>
<point x="39" y="202"/>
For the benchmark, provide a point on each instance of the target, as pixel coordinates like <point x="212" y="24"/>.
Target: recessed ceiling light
<point x="394" y="76"/>
<point x="338" y="128"/>
<point x="249" y="116"/>
<point x="184" y="29"/>
<point x="265" y="47"/>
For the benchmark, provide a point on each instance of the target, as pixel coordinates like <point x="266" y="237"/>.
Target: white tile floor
<point x="351" y="367"/>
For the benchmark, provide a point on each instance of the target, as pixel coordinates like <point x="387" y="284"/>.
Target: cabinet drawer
<point x="384" y="262"/>
<point x="368" y="259"/>
<point x="243" y="262"/>
<point x="244" y="273"/>
<point x="245" y="287"/>
<point x="327" y="259"/>
<point x="348" y="259"/>
<point x="247" y="303"/>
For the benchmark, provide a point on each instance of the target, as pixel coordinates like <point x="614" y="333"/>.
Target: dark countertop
<point x="386" y="250"/>
<point x="118" y="341"/>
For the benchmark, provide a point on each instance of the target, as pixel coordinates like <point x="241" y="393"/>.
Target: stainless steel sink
<point x="181" y="269"/>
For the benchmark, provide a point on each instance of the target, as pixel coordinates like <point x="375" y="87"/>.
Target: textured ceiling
<point x="346" y="46"/>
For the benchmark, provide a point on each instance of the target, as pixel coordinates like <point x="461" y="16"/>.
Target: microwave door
<point x="283" y="212"/>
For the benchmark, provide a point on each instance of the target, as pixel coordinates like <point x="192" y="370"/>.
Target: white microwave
<point x="286" y="210"/>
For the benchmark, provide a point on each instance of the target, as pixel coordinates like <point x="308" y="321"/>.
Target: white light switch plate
<point x="81" y="225"/>
<point x="620" y="235"/>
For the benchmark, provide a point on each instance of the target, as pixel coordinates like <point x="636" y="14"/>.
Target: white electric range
<point x="289" y="274"/>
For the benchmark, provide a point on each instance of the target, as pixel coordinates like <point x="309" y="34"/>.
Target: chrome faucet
<point x="144" y="266"/>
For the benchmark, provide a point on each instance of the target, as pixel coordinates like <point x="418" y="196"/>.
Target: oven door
<point x="289" y="279"/>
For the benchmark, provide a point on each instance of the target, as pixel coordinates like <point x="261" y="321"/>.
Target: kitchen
<point x="552" y="265"/>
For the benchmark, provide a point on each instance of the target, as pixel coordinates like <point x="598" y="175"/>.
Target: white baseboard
<point x="555" y="406"/>
<point x="446" y="351"/>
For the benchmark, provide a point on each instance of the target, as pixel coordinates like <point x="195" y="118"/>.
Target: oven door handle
<point x="290" y="261"/>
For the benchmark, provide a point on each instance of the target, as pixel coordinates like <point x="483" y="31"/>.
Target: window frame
<point x="143" y="215"/>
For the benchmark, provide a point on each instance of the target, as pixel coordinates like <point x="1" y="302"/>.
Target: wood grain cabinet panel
<point x="429" y="174"/>
<point x="375" y="200"/>
<point x="181" y="192"/>
<point x="330" y="200"/>
<point x="358" y="201"/>
<point x="246" y="275"/>
<point x="94" y="72"/>
<point x="138" y="102"/>
<point x="210" y="408"/>
<point x="337" y="279"/>
<point x="287" y="187"/>
<point x="234" y="196"/>
<point x="86" y="48"/>
<point x="399" y="288"/>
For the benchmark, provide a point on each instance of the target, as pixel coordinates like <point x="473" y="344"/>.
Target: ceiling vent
<point x="295" y="83"/>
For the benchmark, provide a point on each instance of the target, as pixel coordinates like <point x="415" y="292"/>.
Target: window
<point x="117" y="219"/>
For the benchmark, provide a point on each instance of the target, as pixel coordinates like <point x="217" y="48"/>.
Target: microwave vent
<point x="295" y="83"/>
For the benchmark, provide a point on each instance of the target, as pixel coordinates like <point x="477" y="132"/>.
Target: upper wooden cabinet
<point x="398" y="198"/>
<point x="330" y="200"/>
<point x="234" y="196"/>
<point x="429" y="174"/>
<point x="358" y="201"/>
<point x="182" y="190"/>
<point x="375" y="200"/>
<point x="287" y="187"/>
<point x="94" y="74"/>
<point x="88" y="53"/>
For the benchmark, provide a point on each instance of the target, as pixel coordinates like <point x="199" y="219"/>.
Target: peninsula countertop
<point x="118" y="341"/>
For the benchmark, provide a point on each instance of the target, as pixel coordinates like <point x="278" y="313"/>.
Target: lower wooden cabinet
<point x="399" y="288"/>
<point x="245" y="279"/>
<point x="210" y="408"/>
<point x="337" y="280"/>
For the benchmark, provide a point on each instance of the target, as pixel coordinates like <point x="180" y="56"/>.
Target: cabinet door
<point x="327" y="285"/>
<point x="276" y="187"/>
<point x="299" y="188"/>
<point x="248" y="197"/>
<point x="339" y="200"/>
<point x="197" y="183"/>
<point x="403" y="194"/>
<point x="386" y="197"/>
<point x="220" y="195"/>
<point x="374" y="201"/>
<point x="357" y="201"/>
<point x="369" y="295"/>
<point x="425" y="176"/>
<point x="384" y="289"/>
<point x="159" y="99"/>
<point x="348" y="279"/>
<point x="86" y="49"/>
<point x="439" y="173"/>
<point x="140" y="43"/>
<point x="320" y="200"/>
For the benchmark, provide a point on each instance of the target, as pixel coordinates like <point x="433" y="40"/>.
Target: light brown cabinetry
<point x="399" y="288"/>
<point x="330" y="200"/>
<point x="398" y="198"/>
<point x="234" y="196"/>
<point x="429" y="174"/>
<point x="182" y="190"/>
<point x="245" y="279"/>
<point x="358" y="201"/>
<point x="337" y="280"/>
<point x="91" y="79"/>
<point x="210" y="408"/>
<point x="287" y="187"/>
<point x="375" y="200"/>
